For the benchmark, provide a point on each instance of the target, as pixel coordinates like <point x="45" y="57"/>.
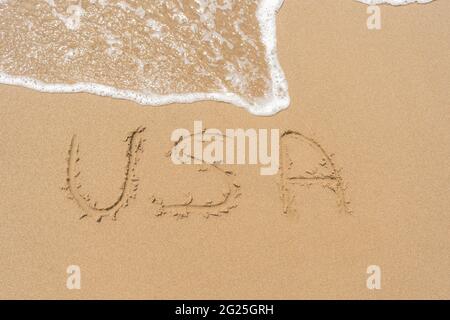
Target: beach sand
<point x="376" y="99"/>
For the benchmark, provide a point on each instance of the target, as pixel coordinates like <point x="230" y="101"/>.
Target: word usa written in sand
<point x="324" y="172"/>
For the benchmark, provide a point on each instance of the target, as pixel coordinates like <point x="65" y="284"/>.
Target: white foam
<point x="393" y="2"/>
<point x="102" y="90"/>
<point x="280" y="99"/>
<point x="73" y="20"/>
<point x="274" y="101"/>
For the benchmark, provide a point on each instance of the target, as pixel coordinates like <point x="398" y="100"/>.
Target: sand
<point x="374" y="102"/>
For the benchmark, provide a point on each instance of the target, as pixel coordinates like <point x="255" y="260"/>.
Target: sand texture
<point x="364" y="177"/>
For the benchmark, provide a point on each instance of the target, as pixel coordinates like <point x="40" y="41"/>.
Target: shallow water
<point x="153" y="52"/>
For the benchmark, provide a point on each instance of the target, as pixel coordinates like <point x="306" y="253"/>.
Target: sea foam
<point x="151" y="52"/>
<point x="393" y="2"/>
<point x="154" y="53"/>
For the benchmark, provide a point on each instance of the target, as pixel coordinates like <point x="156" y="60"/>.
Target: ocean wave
<point x="151" y="52"/>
